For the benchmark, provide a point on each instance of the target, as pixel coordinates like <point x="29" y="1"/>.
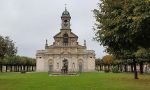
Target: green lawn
<point x="86" y="81"/>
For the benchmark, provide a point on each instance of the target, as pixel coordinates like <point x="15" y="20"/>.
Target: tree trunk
<point x="141" y="67"/>
<point x="32" y="68"/>
<point x="118" y="66"/>
<point x="108" y="67"/>
<point x="18" y="68"/>
<point x="21" y="68"/>
<point x="125" y="67"/>
<point x="10" y="68"/>
<point x="1" y="68"/>
<point x="132" y="67"/>
<point x="24" y="67"/>
<point x="100" y="67"/>
<point x="135" y="70"/>
<point x="121" y="67"/>
<point x="6" y="67"/>
<point x="27" y="68"/>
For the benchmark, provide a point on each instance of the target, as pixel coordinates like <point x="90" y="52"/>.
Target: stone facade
<point x="65" y="51"/>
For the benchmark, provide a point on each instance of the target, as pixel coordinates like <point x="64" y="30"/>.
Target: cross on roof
<point x="65" y="6"/>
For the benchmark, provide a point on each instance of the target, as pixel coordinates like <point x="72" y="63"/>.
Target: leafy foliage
<point x="19" y="60"/>
<point x="7" y="47"/>
<point x="108" y="59"/>
<point x="123" y="26"/>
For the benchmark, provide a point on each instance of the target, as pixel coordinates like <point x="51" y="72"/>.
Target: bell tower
<point x="65" y="37"/>
<point x="65" y="25"/>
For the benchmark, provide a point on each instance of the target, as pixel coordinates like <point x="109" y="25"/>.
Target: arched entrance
<point x="80" y="63"/>
<point x="50" y="65"/>
<point x="65" y="66"/>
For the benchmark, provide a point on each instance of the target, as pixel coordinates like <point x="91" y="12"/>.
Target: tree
<point x="7" y="48"/>
<point x="99" y="64"/>
<point x="19" y="63"/>
<point x="108" y="60"/>
<point x="122" y="27"/>
<point x="143" y="55"/>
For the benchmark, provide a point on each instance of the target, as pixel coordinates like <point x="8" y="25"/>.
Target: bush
<point x="106" y="70"/>
<point x="115" y="70"/>
<point x="23" y="71"/>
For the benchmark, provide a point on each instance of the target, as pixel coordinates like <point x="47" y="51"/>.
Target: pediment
<point x="60" y="35"/>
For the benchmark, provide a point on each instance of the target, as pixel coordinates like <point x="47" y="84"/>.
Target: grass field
<point x="86" y="81"/>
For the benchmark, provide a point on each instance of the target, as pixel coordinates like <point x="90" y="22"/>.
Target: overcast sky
<point x="30" y="22"/>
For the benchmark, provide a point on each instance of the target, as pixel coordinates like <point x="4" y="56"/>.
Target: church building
<point x="65" y="52"/>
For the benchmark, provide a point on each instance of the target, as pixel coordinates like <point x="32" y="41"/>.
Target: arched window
<point x="65" y="38"/>
<point x="73" y="65"/>
<point x="57" y="65"/>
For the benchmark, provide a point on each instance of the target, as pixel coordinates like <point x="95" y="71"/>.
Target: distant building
<point x="65" y="52"/>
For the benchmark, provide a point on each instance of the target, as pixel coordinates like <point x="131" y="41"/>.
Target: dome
<point x="65" y="13"/>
